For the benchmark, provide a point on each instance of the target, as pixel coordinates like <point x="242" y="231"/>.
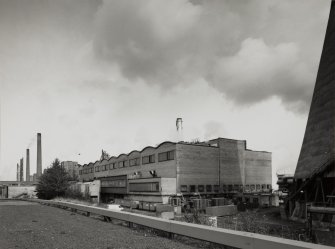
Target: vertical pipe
<point x="27" y="166"/>
<point x="39" y="155"/>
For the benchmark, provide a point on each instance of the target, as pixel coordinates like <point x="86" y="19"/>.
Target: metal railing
<point x="221" y="236"/>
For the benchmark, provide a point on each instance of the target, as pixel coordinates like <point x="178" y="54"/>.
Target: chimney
<point x="27" y="166"/>
<point x="179" y="126"/>
<point x="21" y="169"/>
<point x="17" y="172"/>
<point x="39" y="155"/>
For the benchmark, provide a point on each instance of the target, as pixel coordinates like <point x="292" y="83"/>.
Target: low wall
<point x="17" y="191"/>
<point x="216" y="235"/>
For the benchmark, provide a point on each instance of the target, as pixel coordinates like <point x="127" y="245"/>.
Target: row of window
<point x="144" y="187"/>
<point x="225" y="188"/>
<point x="164" y="156"/>
<point x="120" y="183"/>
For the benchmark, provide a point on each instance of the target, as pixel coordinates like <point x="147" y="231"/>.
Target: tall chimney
<point x="21" y="169"/>
<point x="27" y="166"/>
<point x="179" y="126"/>
<point x="39" y="155"/>
<point x="17" y="172"/>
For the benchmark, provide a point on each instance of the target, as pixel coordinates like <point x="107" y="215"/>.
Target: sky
<point x="114" y="75"/>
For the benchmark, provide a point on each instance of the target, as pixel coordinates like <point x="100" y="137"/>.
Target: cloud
<point x="258" y="71"/>
<point x="232" y="45"/>
<point x="143" y="38"/>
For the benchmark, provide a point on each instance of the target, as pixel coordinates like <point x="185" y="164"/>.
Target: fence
<point x="221" y="236"/>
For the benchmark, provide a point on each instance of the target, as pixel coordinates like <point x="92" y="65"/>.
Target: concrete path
<point x="31" y="225"/>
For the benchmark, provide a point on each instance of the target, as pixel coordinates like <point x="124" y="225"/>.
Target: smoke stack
<point x="17" y="172"/>
<point x="39" y="155"/>
<point x="27" y="166"/>
<point x="21" y="169"/>
<point x="179" y="126"/>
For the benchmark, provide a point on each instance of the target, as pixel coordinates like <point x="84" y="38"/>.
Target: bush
<point x="197" y="218"/>
<point x="74" y="193"/>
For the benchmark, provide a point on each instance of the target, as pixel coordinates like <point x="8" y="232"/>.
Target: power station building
<point x="71" y="168"/>
<point x="209" y="168"/>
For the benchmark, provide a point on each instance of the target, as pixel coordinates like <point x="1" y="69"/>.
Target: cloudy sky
<point x="115" y="75"/>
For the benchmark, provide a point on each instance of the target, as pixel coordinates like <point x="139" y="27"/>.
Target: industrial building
<point x="71" y="168"/>
<point x="218" y="166"/>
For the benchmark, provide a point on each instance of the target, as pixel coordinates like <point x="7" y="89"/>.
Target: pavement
<point x="31" y="225"/>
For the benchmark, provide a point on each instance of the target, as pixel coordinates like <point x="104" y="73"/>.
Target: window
<point x="80" y="172"/>
<point x="247" y="188"/>
<point x="192" y="188"/>
<point x="183" y="188"/>
<point x="145" y="160"/>
<point x="258" y="187"/>
<point x="224" y="188"/>
<point x="263" y="186"/>
<point x="97" y="168"/>
<point x="134" y="162"/>
<point x="144" y="187"/>
<point x="165" y="156"/>
<point x="121" y="165"/>
<point x="91" y="170"/>
<point x="216" y="188"/>
<point x="252" y="187"/>
<point x="152" y="158"/>
<point x="268" y="186"/>
<point x="201" y="188"/>
<point x="230" y="187"/>
<point x="112" y="166"/>
<point x="121" y="183"/>
<point x="148" y="159"/>
<point x="171" y="155"/>
<point x="208" y="188"/>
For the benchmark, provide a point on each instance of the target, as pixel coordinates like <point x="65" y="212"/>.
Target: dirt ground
<point x="31" y="225"/>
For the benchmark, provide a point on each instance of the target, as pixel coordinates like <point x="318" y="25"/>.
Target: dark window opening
<point x="230" y="187"/>
<point x="192" y="188"/>
<point x="201" y="188"/>
<point x="183" y="188"/>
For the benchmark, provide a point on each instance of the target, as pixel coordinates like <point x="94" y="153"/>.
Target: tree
<point x="104" y="155"/>
<point x="53" y="182"/>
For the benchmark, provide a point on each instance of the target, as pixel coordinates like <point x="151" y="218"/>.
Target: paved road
<point x="31" y="225"/>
